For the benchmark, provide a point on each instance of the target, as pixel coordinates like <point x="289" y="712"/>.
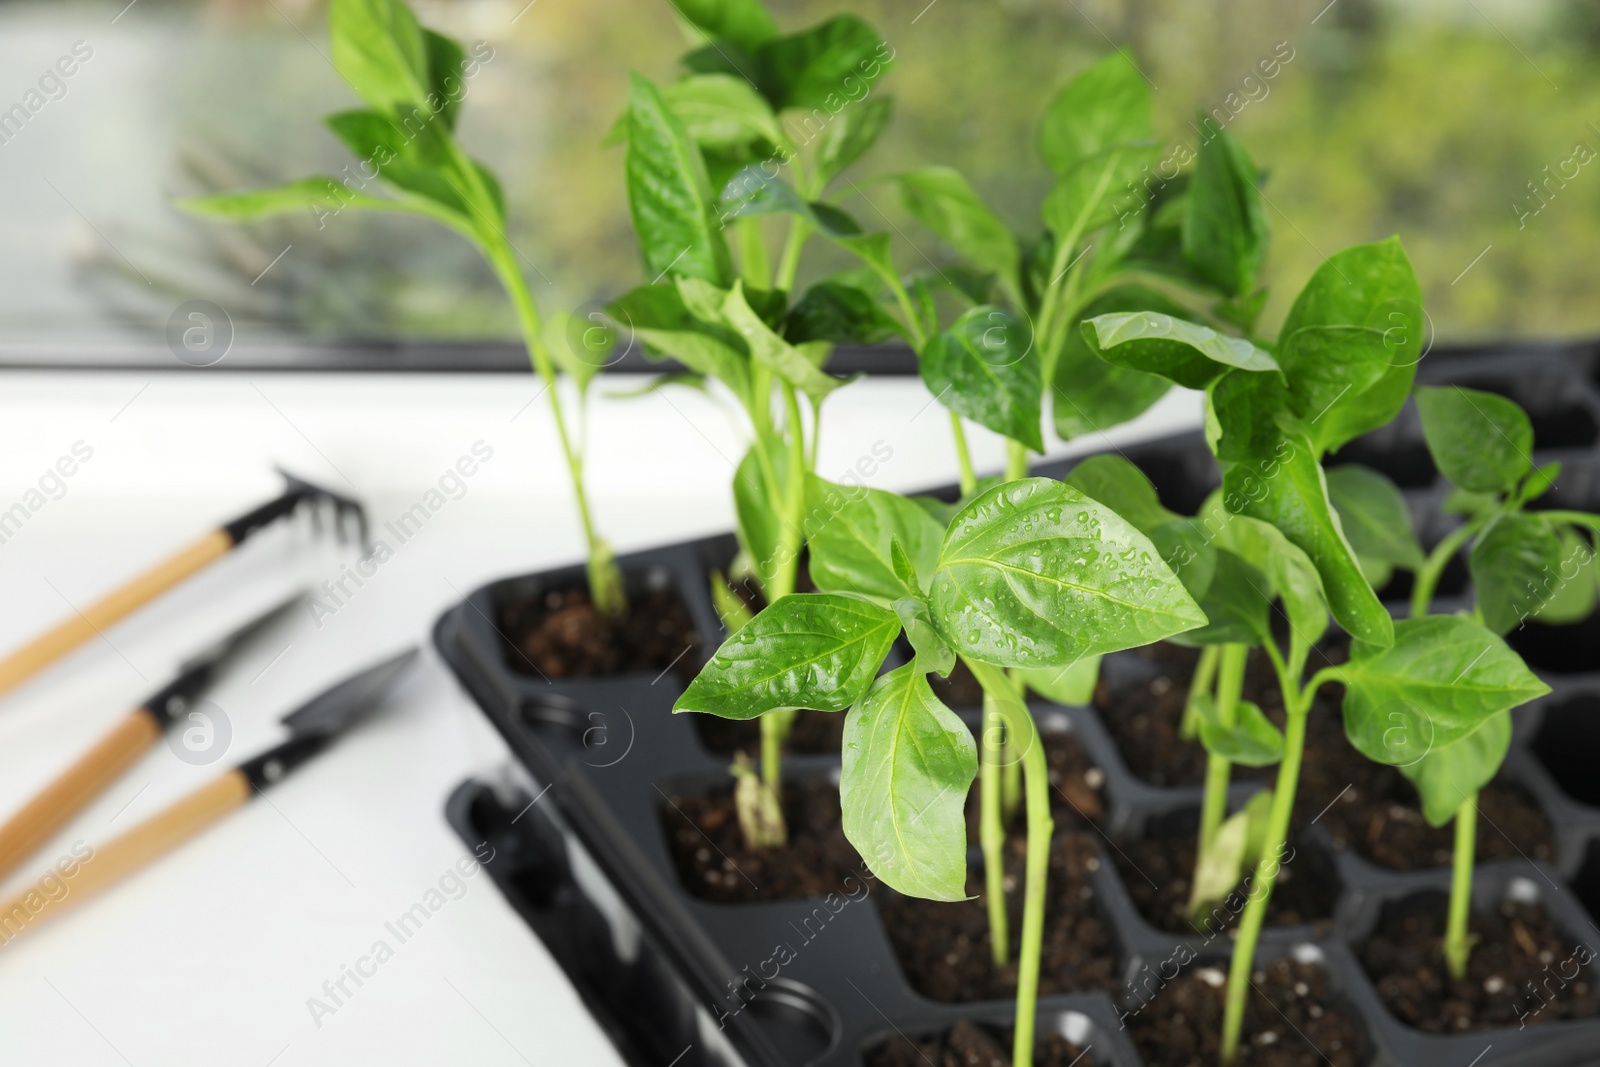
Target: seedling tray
<point x="577" y="823"/>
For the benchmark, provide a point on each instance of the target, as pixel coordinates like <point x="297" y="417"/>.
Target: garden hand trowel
<point x="312" y="727"/>
<point x="72" y="632"/>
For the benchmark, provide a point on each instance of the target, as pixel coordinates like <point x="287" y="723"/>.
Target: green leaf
<point x="1271" y="473"/>
<point x="1089" y="394"/>
<point x="825" y="66"/>
<point x="753" y="192"/>
<point x="447" y="85"/>
<point x="380" y="50"/>
<point x="835" y="311"/>
<point x="933" y="655"/>
<point x="744" y="22"/>
<point x="908" y="763"/>
<point x="1094" y="192"/>
<point x="1122" y="487"/>
<point x="1234" y="595"/>
<point x="941" y="199"/>
<point x="1374" y="517"/>
<point x="1232" y="853"/>
<point x="669" y="193"/>
<point x="320" y="197"/>
<point x="849" y="136"/>
<point x="760" y="526"/>
<point x="1440" y="680"/>
<point x="1072" y="685"/>
<point x="1190" y="355"/>
<point x="1575" y="592"/>
<point x="985" y="368"/>
<point x="1516" y="566"/>
<point x="1224" y="228"/>
<point x="1351" y="342"/>
<point x="1291" y="576"/>
<point x="1251" y="741"/>
<point x="1538" y="483"/>
<point x="807" y="650"/>
<point x="657" y="316"/>
<point x="722" y="111"/>
<point x="1448" y="777"/>
<point x="850" y="529"/>
<point x="788" y="362"/>
<point x="1481" y="442"/>
<point x="1105" y="105"/>
<point x="414" y="164"/>
<point x="1035" y="574"/>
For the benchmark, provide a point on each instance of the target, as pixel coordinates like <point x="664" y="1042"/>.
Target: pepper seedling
<point x="1342" y="365"/>
<point x="414" y="82"/>
<point x="703" y="156"/>
<point x="1235" y="568"/>
<point x="1524" y="564"/>
<point x="1031" y="574"/>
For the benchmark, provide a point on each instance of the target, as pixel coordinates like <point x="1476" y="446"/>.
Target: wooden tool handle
<point x="120" y="857"/>
<point x="56" y="803"/>
<point x="82" y="625"/>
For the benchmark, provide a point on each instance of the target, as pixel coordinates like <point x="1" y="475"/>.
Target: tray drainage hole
<point x="798" y="1022"/>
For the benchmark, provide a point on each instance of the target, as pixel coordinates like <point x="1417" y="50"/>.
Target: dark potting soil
<point x="1145" y="720"/>
<point x="944" y="947"/>
<point x="1374" y="809"/>
<point x="714" y="863"/>
<point x="813" y="733"/>
<point x="1157" y="872"/>
<point x="1289" y="1021"/>
<point x="560" y="634"/>
<point x="1522" y="970"/>
<point x="968" y="1045"/>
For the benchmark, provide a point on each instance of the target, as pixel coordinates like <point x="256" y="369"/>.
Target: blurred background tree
<point x="1465" y="128"/>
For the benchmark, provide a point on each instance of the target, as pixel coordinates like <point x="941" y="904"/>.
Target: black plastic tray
<point x="597" y="758"/>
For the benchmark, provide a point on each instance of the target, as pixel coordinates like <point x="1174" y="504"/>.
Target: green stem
<point x="753" y="264"/>
<point x="969" y="480"/>
<point x="991" y="829"/>
<point x="1230" y="684"/>
<point x="1036" y="772"/>
<point x="1016" y="460"/>
<point x="1457" y="941"/>
<point x="1204" y="671"/>
<point x="1433" y="567"/>
<point x="789" y="260"/>
<point x="1266" y="873"/>
<point x="1011" y="765"/>
<point x="605" y="580"/>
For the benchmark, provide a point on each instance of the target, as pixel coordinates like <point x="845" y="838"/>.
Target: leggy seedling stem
<point x="991" y="826"/>
<point x="1036" y="772"/>
<point x="1205" y="673"/>
<point x="1457" y="941"/>
<point x="1230" y="684"/>
<point x="1297" y="703"/>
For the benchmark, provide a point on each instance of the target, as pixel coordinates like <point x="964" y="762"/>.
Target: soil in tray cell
<point x="560" y="634"/>
<point x="944" y="947"/>
<point x="1145" y="720"/>
<point x="1372" y="808"/>
<point x="714" y="863"/>
<point x="813" y="733"/>
<point x="1523" y="970"/>
<point x="1290" y="1020"/>
<point x="968" y="1045"/>
<point x="1157" y="871"/>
